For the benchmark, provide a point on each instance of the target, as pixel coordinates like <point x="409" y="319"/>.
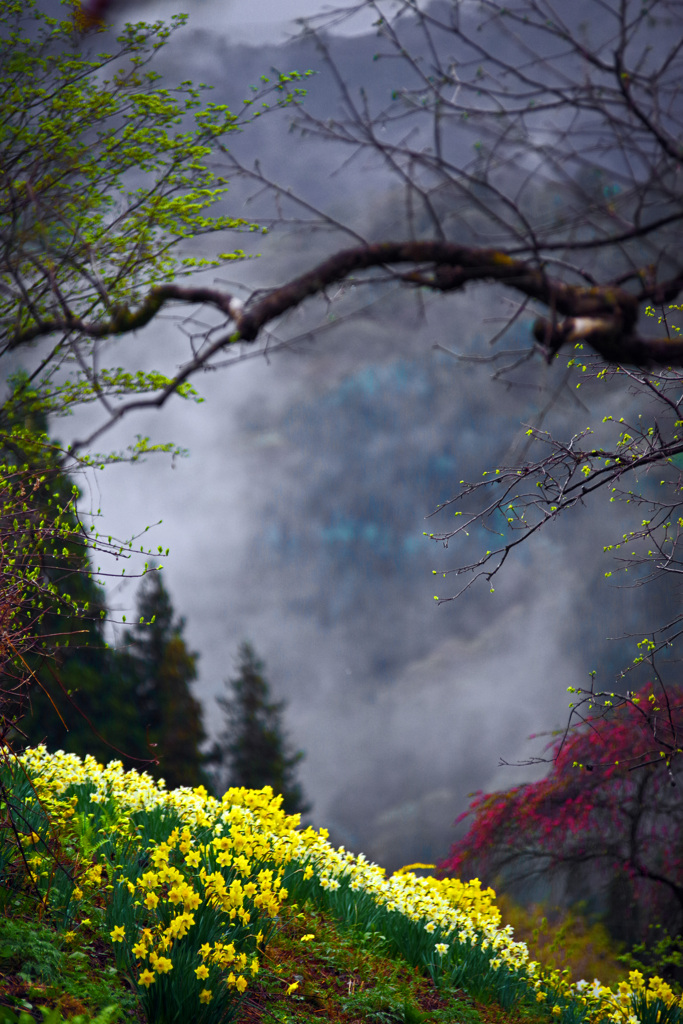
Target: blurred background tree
<point x="161" y="669"/>
<point x="83" y="695"/>
<point x="252" y="749"/>
<point x="605" y="824"/>
<point x="75" y="697"/>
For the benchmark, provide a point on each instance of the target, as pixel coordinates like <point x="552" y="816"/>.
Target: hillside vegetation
<point x="124" y="901"/>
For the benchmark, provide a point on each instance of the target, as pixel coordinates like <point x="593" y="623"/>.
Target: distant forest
<point x="134" y="701"/>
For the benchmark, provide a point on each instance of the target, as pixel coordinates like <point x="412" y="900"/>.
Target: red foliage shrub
<point x="608" y="815"/>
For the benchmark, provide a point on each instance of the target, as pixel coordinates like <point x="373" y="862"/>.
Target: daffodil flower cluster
<point x="634" y="1002"/>
<point x="450" y="927"/>
<point x="191" y="910"/>
<point x="187" y="911"/>
<point x="189" y="878"/>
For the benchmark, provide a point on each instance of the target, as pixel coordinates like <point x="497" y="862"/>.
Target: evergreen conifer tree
<point x="252" y="749"/>
<point x="162" y="668"/>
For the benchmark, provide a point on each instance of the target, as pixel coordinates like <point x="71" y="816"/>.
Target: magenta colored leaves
<point x="609" y="806"/>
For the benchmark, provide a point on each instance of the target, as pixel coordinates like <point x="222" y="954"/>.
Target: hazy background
<point x="298" y="523"/>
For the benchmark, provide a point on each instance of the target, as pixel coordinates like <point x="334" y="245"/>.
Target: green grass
<point x="41" y="966"/>
<point x="342" y="975"/>
<point x="347" y="976"/>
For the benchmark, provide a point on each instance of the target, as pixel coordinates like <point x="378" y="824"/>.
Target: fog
<point x="242" y="21"/>
<point x="298" y="519"/>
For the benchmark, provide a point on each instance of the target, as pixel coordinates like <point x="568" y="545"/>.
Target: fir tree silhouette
<point x="252" y="749"/>
<point x="163" y="669"/>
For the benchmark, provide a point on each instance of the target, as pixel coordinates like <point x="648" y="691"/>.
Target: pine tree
<point x="163" y="669"/>
<point x="252" y="748"/>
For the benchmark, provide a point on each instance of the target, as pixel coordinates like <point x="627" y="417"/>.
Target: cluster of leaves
<point x="81" y="238"/>
<point x="42" y="966"/>
<point x="606" y="818"/>
<point x="104" y="175"/>
<point x="659" y="954"/>
<point x="45" y="589"/>
<point x="638" y="461"/>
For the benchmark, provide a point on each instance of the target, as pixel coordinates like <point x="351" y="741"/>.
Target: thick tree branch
<point x="123" y="320"/>
<point x="602" y="317"/>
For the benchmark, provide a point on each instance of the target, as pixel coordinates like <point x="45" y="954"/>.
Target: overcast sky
<point x="245" y="21"/>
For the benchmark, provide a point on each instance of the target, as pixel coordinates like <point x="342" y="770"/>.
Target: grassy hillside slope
<point x="123" y="901"/>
